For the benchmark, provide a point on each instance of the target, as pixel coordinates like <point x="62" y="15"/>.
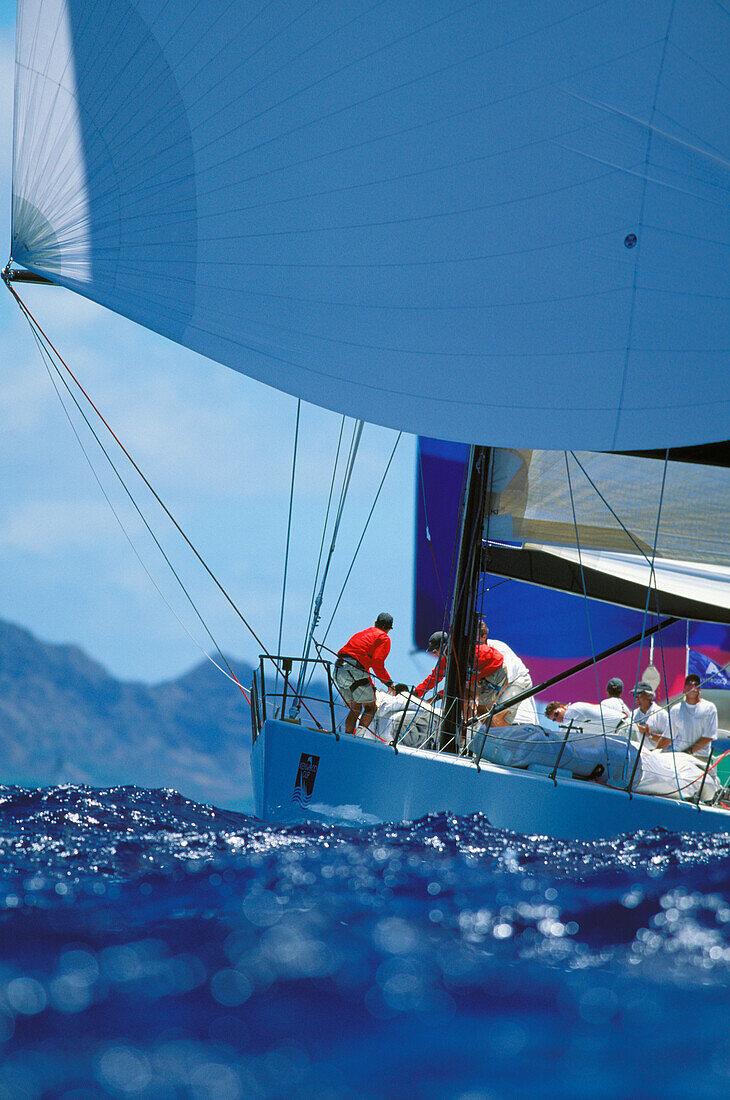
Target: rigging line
<point x="621" y="524"/>
<point x="369" y="516"/>
<point x="124" y="450"/>
<point x="313" y="615"/>
<point x="207" y="569"/>
<point x="585" y="599"/>
<point x="354" y="445"/>
<point x="649" y="589"/>
<point x="667" y="708"/>
<point x="656" y="539"/>
<point x="324" y="527"/>
<point x="288" y="532"/>
<point x="46" y="358"/>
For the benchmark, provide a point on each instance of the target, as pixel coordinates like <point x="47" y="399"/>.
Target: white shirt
<point x="514" y="667"/>
<point x="638" y="715"/>
<point x="593" y="718"/>
<point x="614" y="710"/>
<point x="518" y="680"/>
<point x="690" y="723"/>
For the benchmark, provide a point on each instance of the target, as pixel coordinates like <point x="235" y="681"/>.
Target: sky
<point x="218" y="448"/>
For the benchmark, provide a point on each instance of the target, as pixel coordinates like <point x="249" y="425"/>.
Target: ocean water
<point x="153" y="947"/>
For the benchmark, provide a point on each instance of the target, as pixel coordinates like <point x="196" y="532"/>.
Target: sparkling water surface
<point x="153" y="947"/>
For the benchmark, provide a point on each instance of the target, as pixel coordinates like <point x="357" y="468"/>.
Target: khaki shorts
<point x="354" y="685"/>
<point x="491" y="687"/>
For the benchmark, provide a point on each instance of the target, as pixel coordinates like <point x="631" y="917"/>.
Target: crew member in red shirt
<point x="489" y="678"/>
<point x="437" y="643"/>
<point x="364" y="653"/>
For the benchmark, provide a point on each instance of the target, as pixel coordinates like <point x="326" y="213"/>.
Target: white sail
<point x="496" y="222"/>
<point x="619" y="524"/>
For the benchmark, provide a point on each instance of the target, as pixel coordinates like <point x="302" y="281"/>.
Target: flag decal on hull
<point x="306" y="775"/>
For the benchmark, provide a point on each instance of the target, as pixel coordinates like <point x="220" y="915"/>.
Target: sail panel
<point x="626" y="504"/>
<point x="476" y="222"/>
<point x="677" y="588"/>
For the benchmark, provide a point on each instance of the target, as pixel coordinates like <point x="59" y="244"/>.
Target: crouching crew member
<point x="364" y="653"/>
<point x="437" y="643"/>
<point x="489" y="678"/>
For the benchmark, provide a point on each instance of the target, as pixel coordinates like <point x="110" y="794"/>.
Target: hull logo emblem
<point x="306" y="775"/>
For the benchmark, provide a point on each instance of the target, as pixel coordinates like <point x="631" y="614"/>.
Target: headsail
<point x="613" y="526"/>
<point x="490" y="223"/>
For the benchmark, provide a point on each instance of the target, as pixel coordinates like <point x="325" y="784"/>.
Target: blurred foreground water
<point x="153" y="947"/>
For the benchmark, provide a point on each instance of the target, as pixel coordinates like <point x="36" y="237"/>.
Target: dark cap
<point x="437" y="641"/>
<point x="614" y="684"/>
<point x="384" y="620"/>
<point x="643" y="688"/>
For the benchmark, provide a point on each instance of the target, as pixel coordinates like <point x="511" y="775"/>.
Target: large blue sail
<point x="504" y="223"/>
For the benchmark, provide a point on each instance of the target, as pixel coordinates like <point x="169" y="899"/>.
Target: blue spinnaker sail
<point x="504" y="223"/>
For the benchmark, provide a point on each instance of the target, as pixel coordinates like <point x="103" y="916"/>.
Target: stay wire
<point x="620" y="522"/>
<point x="29" y="316"/>
<point x="354" y="446"/>
<point x="585" y="599"/>
<point x="321" y="645"/>
<point x="151" y="488"/>
<point x="333" y="482"/>
<point x="648" y="593"/>
<point x="288" y="534"/>
<point x="649" y="561"/>
<point x="52" y="367"/>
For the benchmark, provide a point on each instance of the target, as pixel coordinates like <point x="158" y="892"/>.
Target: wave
<point x="147" y="937"/>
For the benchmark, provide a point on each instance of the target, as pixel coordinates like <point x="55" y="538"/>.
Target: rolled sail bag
<point x="413" y="728"/>
<point x="676" y="774"/>
<point x="520" y="746"/>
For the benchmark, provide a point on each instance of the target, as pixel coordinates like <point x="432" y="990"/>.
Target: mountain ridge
<point x="65" y="718"/>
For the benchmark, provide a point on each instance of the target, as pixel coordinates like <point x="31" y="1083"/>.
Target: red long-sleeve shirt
<point x="370" y="647"/>
<point x="486" y="659"/>
<point x="433" y="678"/>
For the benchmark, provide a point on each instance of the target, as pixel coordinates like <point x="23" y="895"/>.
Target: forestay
<point x="487" y="222"/>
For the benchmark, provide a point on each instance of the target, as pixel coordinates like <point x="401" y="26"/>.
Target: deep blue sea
<point x="153" y="947"/>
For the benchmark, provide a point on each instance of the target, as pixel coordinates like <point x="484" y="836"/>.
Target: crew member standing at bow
<point x="364" y="653"/>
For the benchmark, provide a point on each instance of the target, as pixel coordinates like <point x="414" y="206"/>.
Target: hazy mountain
<point x="64" y="718"/>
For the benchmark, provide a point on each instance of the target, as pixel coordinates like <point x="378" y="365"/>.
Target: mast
<point x="466" y="581"/>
